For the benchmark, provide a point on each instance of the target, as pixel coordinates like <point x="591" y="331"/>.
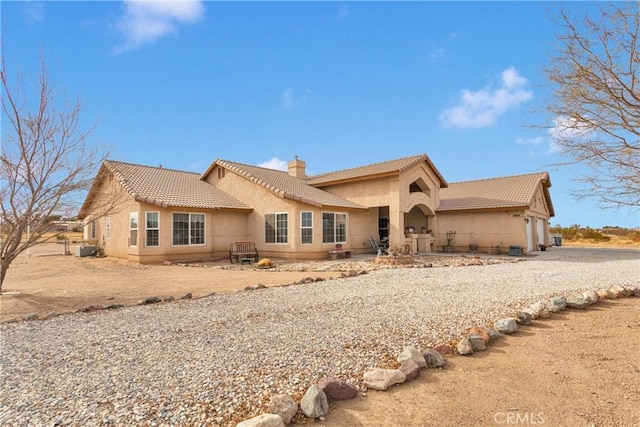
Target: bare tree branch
<point x="46" y="162"/>
<point x="595" y="70"/>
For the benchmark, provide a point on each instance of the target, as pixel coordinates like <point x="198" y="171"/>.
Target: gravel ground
<point x="218" y="359"/>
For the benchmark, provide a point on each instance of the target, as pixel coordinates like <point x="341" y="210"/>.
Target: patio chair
<point x="380" y="250"/>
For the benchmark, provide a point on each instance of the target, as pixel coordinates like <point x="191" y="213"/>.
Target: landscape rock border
<point x="412" y="360"/>
<point x="349" y="271"/>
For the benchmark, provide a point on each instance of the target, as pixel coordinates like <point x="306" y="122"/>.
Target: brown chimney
<point x="297" y="168"/>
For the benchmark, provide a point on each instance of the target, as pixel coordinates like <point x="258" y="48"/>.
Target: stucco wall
<point x="393" y="191"/>
<point x="486" y="229"/>
<point x="360" y="224"/>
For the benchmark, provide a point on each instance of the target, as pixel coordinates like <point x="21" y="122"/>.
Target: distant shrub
<point x="569" y="233"/>
<point x="594" y="235"/>
<point x="634" y="236"/>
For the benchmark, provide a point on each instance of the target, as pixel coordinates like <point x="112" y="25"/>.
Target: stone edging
<point x="282" y="408"/>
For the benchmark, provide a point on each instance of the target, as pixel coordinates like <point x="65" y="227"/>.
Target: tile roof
<point x="495" y="193"/>
<point x="287" y="186"/>
<point x="168" y="187"/>
<point x="368" y="171"/>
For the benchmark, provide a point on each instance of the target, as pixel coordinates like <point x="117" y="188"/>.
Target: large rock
<point x="605" y="294"/>
<point x="314" y="403"/>
<point x="479" y="330"/>
<point x="410" y="369"/>
<point x="264" y="420"/>
<point x="150" y="300"/>
<point x="523" y="318"/>
<point x="337" y="389"/>
<point x="477" y="342"/>
<point x="531" y="312"/>
<point x="434" y="358"/>
<point x="443" y="348"/>
<point x="540" y="310"/>
<point x="508" y="325"/>
<point x="494" y="335"/>
<point x="560" y="302"/>
<point x="590" y="296"/>
<point x="577" y="301"/>
<point x="283" y="405"/>
<point x="412" y="353"/>
<point x="551" y="307"/>
<point x="382" y="379"/>
<point x="464" y="347"/>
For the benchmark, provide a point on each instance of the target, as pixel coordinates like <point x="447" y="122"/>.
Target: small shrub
<point x="594" y="235"/>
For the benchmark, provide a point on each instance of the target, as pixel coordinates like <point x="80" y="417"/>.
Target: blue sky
<point x="340" y="84"/>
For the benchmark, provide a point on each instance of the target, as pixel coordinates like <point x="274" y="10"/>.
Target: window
<point x="306" y="228"/>
<point x="108" y="226"/>
<point x="197" y="229"/>
<point x="133" y="229"/>
<point x="93" y="229"/>
<point x="152" y="227"/>
<point x="276" y="228"/>
<point x="188" y="229"/>
<point x="334" y="227"/>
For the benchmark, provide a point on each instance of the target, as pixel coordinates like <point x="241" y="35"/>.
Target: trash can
<point x="557" y="240"/>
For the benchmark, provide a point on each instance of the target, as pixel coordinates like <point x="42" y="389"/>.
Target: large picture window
<point x="188" y="229"/>
<point x="133" y="229"/>
<point x="276" y="228"/>
<point x="334" y="227"/>
<point x="152" y="228"/>
<point x="306" y="228"/>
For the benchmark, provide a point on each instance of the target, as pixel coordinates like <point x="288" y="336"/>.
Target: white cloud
<point x="530" y="141"/>
<point x="483" y="107"/>
<point x="566" y="129"/>
<point x="145" y="21"/>
<point x="289" y="99"/>
<point x="275" y="163"/>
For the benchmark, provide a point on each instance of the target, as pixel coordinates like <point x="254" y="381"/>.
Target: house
<point x="150" y="214"/>
<point x="494" y="212"/>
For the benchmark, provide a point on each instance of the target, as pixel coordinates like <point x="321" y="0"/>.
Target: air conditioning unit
<point x="84" y="251"/>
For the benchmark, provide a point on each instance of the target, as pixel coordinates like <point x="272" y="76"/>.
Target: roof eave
<point x="491" y="209"/>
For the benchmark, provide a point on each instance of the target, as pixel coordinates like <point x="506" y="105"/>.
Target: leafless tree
<point x="46" y="162"/>
<point x="594" y="69"/>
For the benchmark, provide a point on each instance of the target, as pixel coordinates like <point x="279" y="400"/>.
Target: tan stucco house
<point x="150" y="214"/>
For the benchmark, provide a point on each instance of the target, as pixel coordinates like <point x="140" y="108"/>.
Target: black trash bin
<point x="557" y="240"/>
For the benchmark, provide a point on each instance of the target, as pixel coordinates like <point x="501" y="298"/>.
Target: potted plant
<point x="473" y="246"/>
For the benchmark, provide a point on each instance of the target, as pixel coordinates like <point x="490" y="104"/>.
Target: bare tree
<point x="595" y="70"/>
<point x="46" y="161"/>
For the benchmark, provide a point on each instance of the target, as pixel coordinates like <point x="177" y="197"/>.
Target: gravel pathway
<point x="218" y="359"/>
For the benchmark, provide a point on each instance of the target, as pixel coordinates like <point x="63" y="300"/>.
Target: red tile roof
<point x="167" y="187"/>
<point x="287" y="186"/>
<point x="369" y="171"/>
<point x="495" y="193"/>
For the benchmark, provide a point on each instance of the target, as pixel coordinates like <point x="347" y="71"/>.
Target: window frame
<point x="133" y="231"/>
<point x="147" y="229"/>
<point x="307" y="227"/>
<point x="189" y="229"/>
<point x="279" y="238"/>
<point x="93" y="229"/>
<point x="334" y="228"/>
<point x="107" y="226"/>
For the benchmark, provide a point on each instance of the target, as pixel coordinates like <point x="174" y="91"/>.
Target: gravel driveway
<point x="215" y="359"/>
